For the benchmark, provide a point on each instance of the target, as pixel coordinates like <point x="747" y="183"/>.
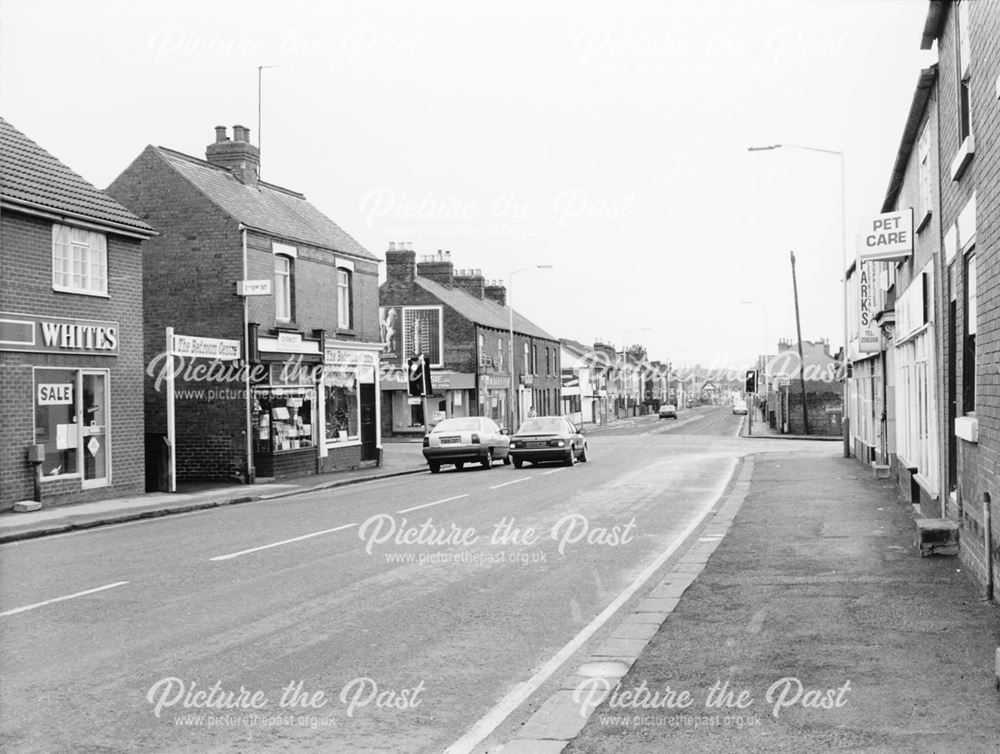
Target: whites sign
<point x="206" y="348"/>
<point x="254" y="287"/>
<point x="887" y="237"/>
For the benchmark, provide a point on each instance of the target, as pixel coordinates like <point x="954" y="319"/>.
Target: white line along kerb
<point x="61" y="599"/>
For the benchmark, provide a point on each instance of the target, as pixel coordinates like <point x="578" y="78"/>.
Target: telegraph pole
<point x="802" y="362"/>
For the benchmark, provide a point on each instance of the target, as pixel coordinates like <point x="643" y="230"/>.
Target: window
<point x="548" y="361"/>
<point x="499" y="353"/>
<point x="344" y="293"/>
<point x="964" y="70"/>
<point x="534" y="359"/>
<point x="527" y="359"/>
<point x="924" y="174"/>
<point x="343" y="405"/>
<point x="969" y="350"/>
<point x="79" y="261"/>
<point x="282" y="287"/>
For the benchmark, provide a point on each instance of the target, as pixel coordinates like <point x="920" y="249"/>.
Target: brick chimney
<point x="437" y="267"/>
<point x="238" y="156"/>
<point x="400" y="264"/>
<point x="495" y="290"/>
<point x="472" y="282"/>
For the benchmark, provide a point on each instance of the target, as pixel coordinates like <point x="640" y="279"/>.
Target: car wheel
<point x="583" y="454"/>
<point x="435" y="467"/>
<point x="518" y="463"/>
<point x="570" y="457"/>
<point x="506" y="460"/>
<point x="460" y="465"/>
<point x="488" y="460"/>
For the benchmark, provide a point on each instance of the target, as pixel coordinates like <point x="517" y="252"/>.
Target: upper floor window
<point x="534" y="359"/>
<point x="283" y="287"/>
<point x="964" y="51"/>
<point x="924" y="174"/>
<point x="499" y="353"/>
<point x="526" y="359"/>
<point x="79" y="261"/>
<point x="344" y="296"/>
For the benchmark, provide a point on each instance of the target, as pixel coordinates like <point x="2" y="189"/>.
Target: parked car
<point x="548" y="438"/>
<point x="739" y="407"/>
<point x="668" y="411"/>
<point x="472" y="439"/>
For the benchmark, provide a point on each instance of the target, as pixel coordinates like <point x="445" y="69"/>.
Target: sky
<point x="607" y="139"/>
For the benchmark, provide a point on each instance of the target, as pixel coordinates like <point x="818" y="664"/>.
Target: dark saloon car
<point x="548" y="438"/>
<point x="471" y="439"/>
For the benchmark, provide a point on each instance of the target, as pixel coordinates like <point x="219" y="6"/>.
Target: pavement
<point x="801" y="618"/>
<point x="398" y="458"/>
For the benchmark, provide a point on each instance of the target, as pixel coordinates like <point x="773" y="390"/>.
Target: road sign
<point x="253" y="287"/>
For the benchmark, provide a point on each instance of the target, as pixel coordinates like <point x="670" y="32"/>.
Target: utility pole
<point x="802" y="362"/>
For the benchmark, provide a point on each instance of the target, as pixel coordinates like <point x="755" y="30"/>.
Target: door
<point x="94" y="428"/>
<point x="369" y="434"/>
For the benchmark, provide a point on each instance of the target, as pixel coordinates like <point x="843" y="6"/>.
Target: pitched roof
<point x="34" y="180"/>
<point x="264" y="207"/>
<point x="481" y="311"/>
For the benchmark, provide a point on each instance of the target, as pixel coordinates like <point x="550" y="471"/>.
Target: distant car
<point x="739" y="407"/>
<point x="548" y="438"/>
<point x="472" y="439"/>
<point x="668" y="411"/>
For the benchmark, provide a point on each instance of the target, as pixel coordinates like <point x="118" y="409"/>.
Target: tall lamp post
<point x="843" y="267"/>
<point x="510" y="336"/>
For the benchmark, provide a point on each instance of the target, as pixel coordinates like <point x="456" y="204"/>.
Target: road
<point x="386" y="616"/>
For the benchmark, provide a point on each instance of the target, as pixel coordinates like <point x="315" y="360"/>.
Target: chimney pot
<point x="409" y="245"/>
<point x="220" y="134"/>
<point x="392" y="245"/>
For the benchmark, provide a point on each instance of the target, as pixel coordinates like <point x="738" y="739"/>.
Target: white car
<point x="668" y="411"/>
<point x="739" y="407"/>
<point x="471" y="439"/>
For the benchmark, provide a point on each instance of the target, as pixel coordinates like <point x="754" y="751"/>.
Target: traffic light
<point x="751" y="381"/>
<point x="418" y="376"/>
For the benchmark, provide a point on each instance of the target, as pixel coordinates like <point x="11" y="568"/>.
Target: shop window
<point x="342" y="400"/>
<point x="79" y="261"/>
<point x="283" y="419"/>
<point x="71" y="421"/>
<point x="344" y="299"/>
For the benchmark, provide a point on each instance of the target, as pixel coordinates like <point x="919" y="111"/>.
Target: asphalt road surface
<point x="385" y="616"/>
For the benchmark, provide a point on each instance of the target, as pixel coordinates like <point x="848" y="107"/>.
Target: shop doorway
<point x="369" y="433"/>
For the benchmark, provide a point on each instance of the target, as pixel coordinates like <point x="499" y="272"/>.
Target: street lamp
<point x="510" y="336"/>
<point x="843" y="268"/>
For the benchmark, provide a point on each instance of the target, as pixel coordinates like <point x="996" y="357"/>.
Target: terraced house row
<point x="924" y="402"/>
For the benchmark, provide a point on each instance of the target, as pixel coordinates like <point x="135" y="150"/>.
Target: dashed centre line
<point x="436" y="502"/>
<point x="505" y="484"/>
<point x="232" y="555"/>
<point x="61" y="599"/>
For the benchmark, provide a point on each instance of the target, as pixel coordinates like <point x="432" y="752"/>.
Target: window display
<point x="282" y="419"/>
<point x="341" y="406"/>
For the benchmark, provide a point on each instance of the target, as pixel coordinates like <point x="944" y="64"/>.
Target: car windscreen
<point x="470" y="424"/>
<point x="543" y="426"/>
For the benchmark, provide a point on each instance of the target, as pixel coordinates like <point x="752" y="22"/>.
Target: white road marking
<point x="232" y="555"/>
<point x="492" y="719"/>
<point x="553" y="471"/>
<point x="516" y="481"/>
<point x="61" y="599"/>
<point x="436" y="502"/>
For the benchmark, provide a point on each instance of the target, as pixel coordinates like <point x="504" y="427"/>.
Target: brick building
<point x="71" y="358"/>
<point x="462" y="324"/>
<point x="824" y="399"/>
<point x="967" y="37"/>
<point x="302" y="396"/>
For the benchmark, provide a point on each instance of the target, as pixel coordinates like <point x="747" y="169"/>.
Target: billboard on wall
<point x="391" y="330"/>
<point x="422" y="333"/>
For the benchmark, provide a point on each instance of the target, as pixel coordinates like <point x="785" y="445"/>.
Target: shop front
<point x="493" y="392"/>
<point x="349" y="411"/>
<point x="453" y="395"/>
<point x="69" y="410"/>
<point x="284" y="405"/>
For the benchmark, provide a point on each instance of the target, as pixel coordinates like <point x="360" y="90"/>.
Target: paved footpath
<point x="813" y="625"/>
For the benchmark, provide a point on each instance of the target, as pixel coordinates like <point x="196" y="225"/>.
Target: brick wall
<point x="26" y="287"/>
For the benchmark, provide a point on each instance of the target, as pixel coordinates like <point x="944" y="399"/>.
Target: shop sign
<point x="869" y="340"/>
<point x="58" y="394"/>
<point x="289" y="341"/>
<point x="495" y="381"/>
<point x="887" y="237"/>
<point x="570" y="378"/>
<point x="206" y="348"/>
<point x="254" y="287"/>
<point x="344" y="357"/>
<point x="24" y="332"/>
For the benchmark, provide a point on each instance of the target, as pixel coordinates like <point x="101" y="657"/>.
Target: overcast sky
<point x="608" y="139"/>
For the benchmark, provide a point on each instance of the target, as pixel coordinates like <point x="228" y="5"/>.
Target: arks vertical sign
<point x="868" y="336"/>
